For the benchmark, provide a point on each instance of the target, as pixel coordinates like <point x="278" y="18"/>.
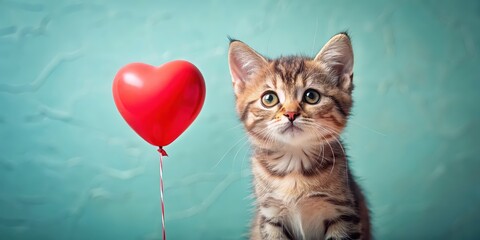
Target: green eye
<point x="311" y="96"/>
<point x="269" y="99"/>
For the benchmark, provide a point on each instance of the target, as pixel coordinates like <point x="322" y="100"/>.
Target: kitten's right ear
<point x="243" y="62"/>
<point x="337" y="56"/>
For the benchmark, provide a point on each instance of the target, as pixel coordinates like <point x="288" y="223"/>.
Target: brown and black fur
<point x="302" y="183"/>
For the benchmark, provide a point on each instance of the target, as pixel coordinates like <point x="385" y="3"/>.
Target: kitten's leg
<point x="343" y="227"/>
<point x="271" y="220"/>
<point x="262" y="230"/>
<point x="270" y="229"/>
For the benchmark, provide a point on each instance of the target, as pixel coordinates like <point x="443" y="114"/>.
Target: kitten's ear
<point x="337" y="56"/>
<point x="243" y="62"/>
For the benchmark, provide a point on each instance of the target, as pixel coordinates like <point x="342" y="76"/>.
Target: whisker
<point x="234" y="127"/>
<point x="316" y="125"/>
<point x="335" y="134"/>
<point x="239" y="149"/>
<point x="344" y="153"/>
<point x="317" y="135"/>
<point x="230" y="149"/>
<point x="368" y="128"/>
<point x="243" y="160"/>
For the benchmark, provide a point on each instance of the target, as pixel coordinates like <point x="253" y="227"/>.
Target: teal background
<point x="71" y="168"/>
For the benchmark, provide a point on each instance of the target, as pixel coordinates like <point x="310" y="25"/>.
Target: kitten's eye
<point x="269" y="99"/>
<point x="311" y="96"/>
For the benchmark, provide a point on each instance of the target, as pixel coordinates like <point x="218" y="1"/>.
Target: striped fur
<point x="302" y="183"/>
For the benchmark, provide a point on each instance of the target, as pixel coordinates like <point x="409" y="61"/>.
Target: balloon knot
<point x="163" y="152"/>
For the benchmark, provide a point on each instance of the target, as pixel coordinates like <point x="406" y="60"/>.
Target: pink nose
<point x="291" y="115"/>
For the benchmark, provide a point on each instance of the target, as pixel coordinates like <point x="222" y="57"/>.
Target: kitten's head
<point x="293" y="101"/>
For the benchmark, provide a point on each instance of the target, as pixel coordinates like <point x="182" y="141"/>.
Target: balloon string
<point x="162" y="154"/>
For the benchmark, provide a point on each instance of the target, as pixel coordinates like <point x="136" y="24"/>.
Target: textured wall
<point x="70" y="168"/>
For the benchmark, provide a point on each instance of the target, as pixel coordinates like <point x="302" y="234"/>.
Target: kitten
<point x="294" y="109"/>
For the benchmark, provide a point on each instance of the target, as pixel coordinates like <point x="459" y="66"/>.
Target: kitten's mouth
<point x="291" y="128"/>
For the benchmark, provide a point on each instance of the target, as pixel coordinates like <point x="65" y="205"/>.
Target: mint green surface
<point x="71" y="168"/>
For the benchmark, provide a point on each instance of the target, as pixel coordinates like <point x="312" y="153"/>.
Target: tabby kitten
<point x="294" y="109"/>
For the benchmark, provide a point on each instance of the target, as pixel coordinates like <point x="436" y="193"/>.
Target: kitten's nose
<point x="291" y="115"/>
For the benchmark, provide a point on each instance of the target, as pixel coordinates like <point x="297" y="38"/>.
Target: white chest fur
<point x="304" y="216"/>
<point x="289" y="198"/>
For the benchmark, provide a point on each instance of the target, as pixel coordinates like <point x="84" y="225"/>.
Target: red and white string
<point x="162" y="153"/>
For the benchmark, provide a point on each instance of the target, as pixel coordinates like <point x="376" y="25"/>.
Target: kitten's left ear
<point x="337" y="56"/>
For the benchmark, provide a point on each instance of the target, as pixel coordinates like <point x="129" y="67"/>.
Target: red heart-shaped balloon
<point x="159" y="103"/>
